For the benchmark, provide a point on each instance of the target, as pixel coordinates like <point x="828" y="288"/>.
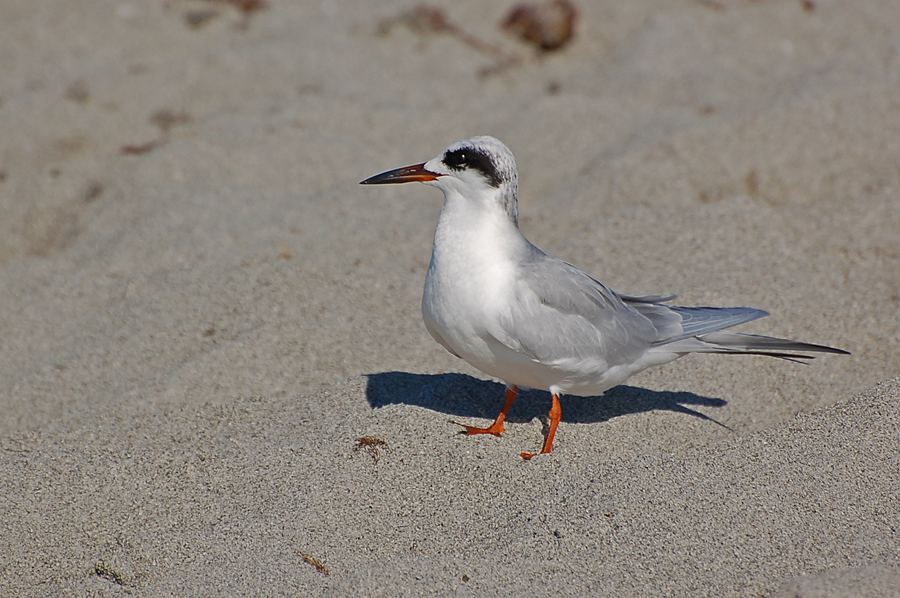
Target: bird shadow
<point x="464" y="396"/>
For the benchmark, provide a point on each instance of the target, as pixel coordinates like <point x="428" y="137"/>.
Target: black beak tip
<point x="379" y="179"/>
<point x="373" y="180"/>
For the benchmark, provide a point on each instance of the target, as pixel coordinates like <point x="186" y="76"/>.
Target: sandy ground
<point x="202" y="312"/>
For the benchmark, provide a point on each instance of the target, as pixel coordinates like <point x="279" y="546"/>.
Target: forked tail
<point x="701" y="330"/>
<point x="755" y="344"/>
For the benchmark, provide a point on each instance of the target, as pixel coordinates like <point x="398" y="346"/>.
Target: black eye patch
<point x="464" y="158"/>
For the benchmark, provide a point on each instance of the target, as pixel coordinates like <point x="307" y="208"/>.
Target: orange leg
<point x="555" y="416"/>
<point x="497" y="427"/>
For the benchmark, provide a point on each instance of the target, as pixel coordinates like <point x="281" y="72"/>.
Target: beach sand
<point x="215" y="377"/>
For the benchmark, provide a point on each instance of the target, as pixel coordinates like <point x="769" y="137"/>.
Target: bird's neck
<point x="472" y="231"/>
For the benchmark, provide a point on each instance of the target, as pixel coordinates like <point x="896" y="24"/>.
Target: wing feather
<point x="560" y="316"/>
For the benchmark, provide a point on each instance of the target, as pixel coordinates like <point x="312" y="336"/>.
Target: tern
<point x="532" y="320"/>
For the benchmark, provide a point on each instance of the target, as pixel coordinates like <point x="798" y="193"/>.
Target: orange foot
<point x="555" y="416"/>
<point x="495" y="429"/>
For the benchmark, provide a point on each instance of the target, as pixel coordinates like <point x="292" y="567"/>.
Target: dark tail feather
<point x="755" y="344"/>
<point x="794" y="357"/>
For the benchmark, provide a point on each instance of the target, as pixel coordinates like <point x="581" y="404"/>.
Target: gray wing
<point x="675" y="322"/>
<point x="689" y="329"/>
<point x="561" y="316"/>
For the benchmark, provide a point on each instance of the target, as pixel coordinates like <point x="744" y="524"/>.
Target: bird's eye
<point x="472" y="159"/>
<point x="457" y="160"/>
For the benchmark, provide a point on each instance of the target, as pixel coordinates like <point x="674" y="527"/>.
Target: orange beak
<point x="407" y="174"/>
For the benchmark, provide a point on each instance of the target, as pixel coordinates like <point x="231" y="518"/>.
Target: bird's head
<point x="479" y="169"/>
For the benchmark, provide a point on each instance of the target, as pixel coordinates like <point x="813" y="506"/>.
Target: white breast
<point x="470" y="276"/>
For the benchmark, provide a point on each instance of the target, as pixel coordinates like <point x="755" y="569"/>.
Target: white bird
<point x="532" y="320"/>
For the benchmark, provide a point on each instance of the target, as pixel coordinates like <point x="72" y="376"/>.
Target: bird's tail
<point x="750" y="344"/>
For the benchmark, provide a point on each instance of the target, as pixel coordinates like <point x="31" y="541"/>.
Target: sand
<point x="203" y="313"/>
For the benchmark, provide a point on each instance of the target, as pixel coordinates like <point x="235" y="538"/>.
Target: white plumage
<point x="529" y="319"/>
